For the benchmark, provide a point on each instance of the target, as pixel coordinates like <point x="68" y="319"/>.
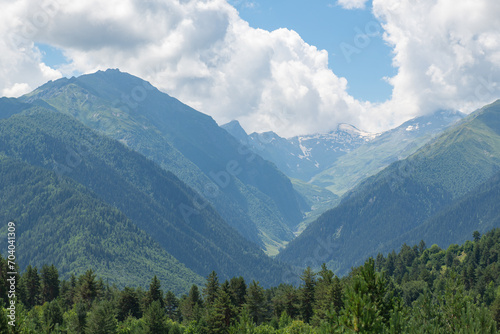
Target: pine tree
<point x="172" y="306"/>
<point x="191" y="305"/>
<point x="154" y="293"/>
<point x="211" y="288"/>
<point x="88" y="290"/>
<point x="238" y="291"/>
<point x="307" y="294"/>
<point x="50" y="283"/>
<point x="128" y="304"/>
<point x="155" y="319"/>
<point x="256" y="303"/>
<point x="77" y="321"/>
<point x="495" y="309"/>
<point x="4" y="322"/>
<point x="52" y="315"/>
<point x="337" y="295"/>
<point x="286" y="299"/>
<point x="31" y="283"/>
<point x="364" y="301"/>
<point x="220" y="315"/>
<point x="323" y="293"/>
<point x="3" y="282"/>
<point x="285" y="320"/>
<point x="102" y="319"/>
<point x="421" y="247"/>
<point x="68" y="291"/>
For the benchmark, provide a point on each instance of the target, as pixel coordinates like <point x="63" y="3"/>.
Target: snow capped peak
<point x="354" y="131"/>
<point x="347" y="128"/>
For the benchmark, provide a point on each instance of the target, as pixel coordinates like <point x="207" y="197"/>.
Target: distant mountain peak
<point x="236" y="130"/>
<point x="352" y="130"/>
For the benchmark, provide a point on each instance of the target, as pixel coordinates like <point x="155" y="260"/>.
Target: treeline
<point x="418" y="290"/>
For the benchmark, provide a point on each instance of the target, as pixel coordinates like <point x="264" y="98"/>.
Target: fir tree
<point x="256" y="303"/>
<point x="307" y="294"/>
<point x="172" y="306"/>
<point x="154" y="293"/>
<point x="128" y="304"/>
<point x="50" y="283"/>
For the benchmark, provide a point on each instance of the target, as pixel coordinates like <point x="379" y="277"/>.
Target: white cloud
<point x="17" y="90"/>
<point x="447" y="53"/>
<point x="21" y="68"/>
<point x="202" y="52"/>
<point x="352" y="4"/>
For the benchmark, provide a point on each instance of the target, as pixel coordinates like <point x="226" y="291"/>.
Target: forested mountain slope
<point x="478" y="210"/>
<point x="153" y="199"/>
<point x="250" y="193"/>
<point x="59" y="221"/>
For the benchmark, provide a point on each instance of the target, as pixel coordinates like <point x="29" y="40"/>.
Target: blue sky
<point x="328" y="26"/>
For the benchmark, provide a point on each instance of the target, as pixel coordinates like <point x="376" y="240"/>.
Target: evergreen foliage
<point x="432" y="290"/>
<point x="117" y="184"/>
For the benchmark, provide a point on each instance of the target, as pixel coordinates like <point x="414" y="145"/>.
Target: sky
<point x="293" y="67"/>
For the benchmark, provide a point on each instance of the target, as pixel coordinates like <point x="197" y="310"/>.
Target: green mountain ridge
<point x="477" y="210"/>
<point x="249" y="192"/>
<point x="151" y="197"/>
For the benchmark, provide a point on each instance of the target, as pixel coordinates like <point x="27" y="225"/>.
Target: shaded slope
<point x="155" y="200"/>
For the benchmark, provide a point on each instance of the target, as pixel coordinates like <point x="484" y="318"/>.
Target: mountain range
<point x="155" y="200"/>
<point x="251" y="194"/>
<point x="302" y="157"/>
<point x="424" y="196"/>
<point x="106" y="171"/>
<point x="338" y="160"/>
<point x="323" y="167"/>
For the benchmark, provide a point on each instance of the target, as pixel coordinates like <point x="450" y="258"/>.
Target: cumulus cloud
<point x="203" y="53"/>
<point x="352" y="4"/>
<point x="21" y="67"/>
<point x="447" y="53"/>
